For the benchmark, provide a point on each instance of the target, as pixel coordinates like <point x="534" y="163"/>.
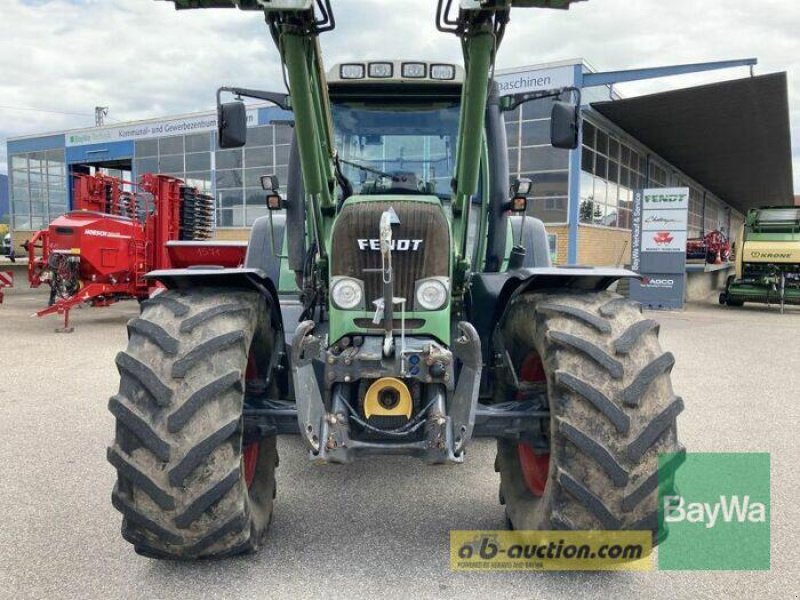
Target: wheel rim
<point x="249" y="463"/>
<point x="535" y="467"/>
<point x="250" y="451"/>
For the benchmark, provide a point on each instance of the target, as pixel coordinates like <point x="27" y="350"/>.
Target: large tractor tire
<point x="612" y="407"/>
<point x="190" y="483"/>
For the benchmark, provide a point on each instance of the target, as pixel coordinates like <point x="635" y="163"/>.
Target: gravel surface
<point x="376" y="528"/>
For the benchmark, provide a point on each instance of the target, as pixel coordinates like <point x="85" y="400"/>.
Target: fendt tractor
<point x="397" y="300"/>
<point x="767" y="259"/>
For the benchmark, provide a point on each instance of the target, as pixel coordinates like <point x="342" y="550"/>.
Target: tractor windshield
<point x="401" y="148"/>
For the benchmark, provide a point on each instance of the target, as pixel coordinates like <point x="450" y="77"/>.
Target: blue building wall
<point x="4" y="202"/>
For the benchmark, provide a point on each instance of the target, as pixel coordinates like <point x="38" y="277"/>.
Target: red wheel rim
<point x="535" y="467"/>
<point x="249" y="462"/>
<point x="250" y="451"/>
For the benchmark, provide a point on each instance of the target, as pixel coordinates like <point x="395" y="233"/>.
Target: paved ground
<point x="370" y="529"/>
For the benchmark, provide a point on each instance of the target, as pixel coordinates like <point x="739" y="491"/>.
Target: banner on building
<point x="150" y="129"/>
<point x="660" y="223"/>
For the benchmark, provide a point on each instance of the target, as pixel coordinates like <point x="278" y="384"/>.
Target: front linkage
<point x="444" y="433"/>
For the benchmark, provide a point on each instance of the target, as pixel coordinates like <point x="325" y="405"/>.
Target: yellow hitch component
<point x="388" y="396"/>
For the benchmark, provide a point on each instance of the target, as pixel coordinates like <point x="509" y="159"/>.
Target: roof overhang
<point x="731" y="137"/>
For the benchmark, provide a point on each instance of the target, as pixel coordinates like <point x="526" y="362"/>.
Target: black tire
<point x="612" y="412"/>
<point x="179" y="429"/>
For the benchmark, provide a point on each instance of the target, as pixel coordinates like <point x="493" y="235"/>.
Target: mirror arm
<point x="278" y="99"/>
<point x="514" y="100"/>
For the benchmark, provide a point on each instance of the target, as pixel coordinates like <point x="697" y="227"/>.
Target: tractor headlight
<point x="432" y="293"/>
<point x="347" y="293"/>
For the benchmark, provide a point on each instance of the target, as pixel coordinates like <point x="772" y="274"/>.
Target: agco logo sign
<point x="396" y="245"/>
<point x="657" y="283"/>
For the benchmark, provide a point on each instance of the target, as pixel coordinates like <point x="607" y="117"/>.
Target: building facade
<point x="585" y="196"/>
<point x="5" y="206"/>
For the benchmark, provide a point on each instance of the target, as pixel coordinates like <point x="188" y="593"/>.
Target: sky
<point x="61" y="58"/>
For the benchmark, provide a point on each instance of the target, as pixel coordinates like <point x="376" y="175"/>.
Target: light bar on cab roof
<point x="395" y="70"/>
<point x="443" y="72"/>
<point x="414" y="70"/>
<point x="381" y="70"/>
<point x="352" y="71"/>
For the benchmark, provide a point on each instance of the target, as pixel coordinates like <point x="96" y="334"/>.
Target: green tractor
<point x="398" y="300"/>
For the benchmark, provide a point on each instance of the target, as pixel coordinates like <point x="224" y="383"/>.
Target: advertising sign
<point x="660" y="220"/>
<point x="148" y="129"/>
<point x="535" y="81"/>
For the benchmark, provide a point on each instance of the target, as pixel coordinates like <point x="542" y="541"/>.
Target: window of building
<point x="531" y="155"/>
<point x="38" y="185"/>
<point x="186" y="157"/>
<point x="610" y="172"/>
<point x="240" y="199"/>
<point x="695" y="223"/>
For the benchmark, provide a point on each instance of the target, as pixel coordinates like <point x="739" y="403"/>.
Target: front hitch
<point x="447" y="422"/>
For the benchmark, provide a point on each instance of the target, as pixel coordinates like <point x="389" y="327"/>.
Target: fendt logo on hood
<point x="397" y="245"/>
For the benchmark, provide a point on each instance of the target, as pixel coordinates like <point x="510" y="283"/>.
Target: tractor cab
<point x="395" y="126"/>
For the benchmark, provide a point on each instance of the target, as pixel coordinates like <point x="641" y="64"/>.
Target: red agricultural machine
<point x="119" y="231"/>
<point x="714" y="248"/>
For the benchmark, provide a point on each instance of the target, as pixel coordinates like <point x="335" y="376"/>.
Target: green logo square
<point x="716" y="507"/>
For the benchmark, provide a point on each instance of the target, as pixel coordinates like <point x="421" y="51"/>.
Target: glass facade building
<point x="614" y="165"/>
<point x="530" y="155"/>
<point x="573" y="191"/>
<point x="38" y="188"/>
<point x="232" y="176"/>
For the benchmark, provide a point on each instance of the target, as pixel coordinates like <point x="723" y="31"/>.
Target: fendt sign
<point x="660" y="222"/>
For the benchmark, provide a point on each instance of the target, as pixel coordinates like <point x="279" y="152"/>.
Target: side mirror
<point x="232" y="124"/>
<point x="564" y="125"/>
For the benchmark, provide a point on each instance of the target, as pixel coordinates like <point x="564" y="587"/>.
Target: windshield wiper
<point x="366" y="168"/>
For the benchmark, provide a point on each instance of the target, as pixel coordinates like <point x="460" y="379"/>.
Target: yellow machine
<point x="767" y="259"/>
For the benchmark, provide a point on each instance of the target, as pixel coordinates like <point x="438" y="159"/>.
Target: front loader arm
<point x="480" y="25"/>
<point x="295" y="26"/>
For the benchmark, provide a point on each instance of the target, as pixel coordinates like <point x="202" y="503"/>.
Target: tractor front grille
<point x="421" y="241"/>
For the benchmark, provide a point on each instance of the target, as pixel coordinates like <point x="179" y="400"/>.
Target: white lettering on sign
<point x="108" y="234"/>
<point x="534" y="81"/>
<point x="155" y="129"/>
<point x="729" y="508"/>
<point x="659" y="283"/>
<point x="397" y="245"/>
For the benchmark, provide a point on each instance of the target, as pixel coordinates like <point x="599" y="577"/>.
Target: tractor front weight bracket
<point x="446" y="423"/>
